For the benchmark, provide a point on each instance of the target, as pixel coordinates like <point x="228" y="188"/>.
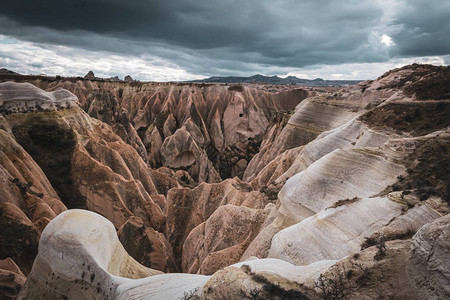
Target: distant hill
<point x="4" y="71"/>
<point x="278" y="80"/>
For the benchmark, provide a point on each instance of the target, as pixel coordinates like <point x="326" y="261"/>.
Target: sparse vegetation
<point x="236" y="87"/>
<point x="332" y="288"/>
<point x="273" y="291"/>
<point x="428" y="168"/>
<point x="269" y="290"/>
<point x="413" y="118"/>
<point x="381" y="246"/>
<point x="365" y="272"/>
<point x="191" y="295"/>
<point x="396" y="235"/>
<point x="425" y="83"/>
<point x="345" y="202"/>
<point x="433" y="85"/>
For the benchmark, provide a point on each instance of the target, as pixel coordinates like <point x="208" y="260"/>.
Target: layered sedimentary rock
<point x="322" y="113"/>
<point x="322" y="173"/>
<point x="27" y="201"/>
<point x="80" y="256"/>
<point x="191" y="208"/>
<point x="364" y="170"/>
<point x="342" y="174"/>
<point x="222" y="239"/>
<point x="384" y="143"/>
<point x="226" y="124"/>
<point x="148" y="246"/>
<point x="430" y="260"/>
<point x="303" y="126"/>
<point x="87" y="164"/>
<point x="333" y="233"/>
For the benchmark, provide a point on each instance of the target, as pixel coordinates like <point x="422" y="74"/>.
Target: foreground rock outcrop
<point x="101" y="269"/>
<point x="80" y="256"/>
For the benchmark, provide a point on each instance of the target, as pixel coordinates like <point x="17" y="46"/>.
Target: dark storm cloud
<point x="218" y="37"/>
<point x="425" y="28"/>
<point x="194" y="24"/>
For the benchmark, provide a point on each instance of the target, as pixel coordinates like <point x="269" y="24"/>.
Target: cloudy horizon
<point x="187" y="39"/>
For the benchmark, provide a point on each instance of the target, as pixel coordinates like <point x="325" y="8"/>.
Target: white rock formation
<point x="353" y="134"/>
<point x="304" y="126"/>
<point x="165" y="286"/>
<point x="80" y="257"/>
<point x="333" y="233"/>
<point x="24" y="97"/>
<point x="339" y="175"/>
<point x="430" y="258"/>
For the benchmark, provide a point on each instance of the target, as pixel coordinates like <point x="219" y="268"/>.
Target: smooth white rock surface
<point x="333" y="233"/>
<point x="25" y="97"/>
<point x="165" y="286"/>
<point x="287" y="270"/>
<point x="339" y="175"/>
<point x="353" y="134"/>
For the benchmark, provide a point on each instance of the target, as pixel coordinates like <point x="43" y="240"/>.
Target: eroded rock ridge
<point x="347" y="189"/>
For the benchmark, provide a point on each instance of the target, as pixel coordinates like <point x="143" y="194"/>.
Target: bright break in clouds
<point x="187" y="39"/>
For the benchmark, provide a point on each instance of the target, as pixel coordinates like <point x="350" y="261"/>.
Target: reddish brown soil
<point x="427" y="82"/>
<point x="428" y="169"/>
<point x="411" y="117"/>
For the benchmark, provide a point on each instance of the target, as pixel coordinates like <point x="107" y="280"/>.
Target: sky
<point x="172" y="40"/>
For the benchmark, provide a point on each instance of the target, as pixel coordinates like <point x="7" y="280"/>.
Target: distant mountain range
<point x="219" y="79"/>
<point x="278" y="80"/>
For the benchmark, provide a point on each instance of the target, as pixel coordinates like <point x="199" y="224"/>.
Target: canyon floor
<point x="136" y="190"/>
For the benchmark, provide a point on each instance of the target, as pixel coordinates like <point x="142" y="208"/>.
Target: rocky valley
<point x="137" y="190"/>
